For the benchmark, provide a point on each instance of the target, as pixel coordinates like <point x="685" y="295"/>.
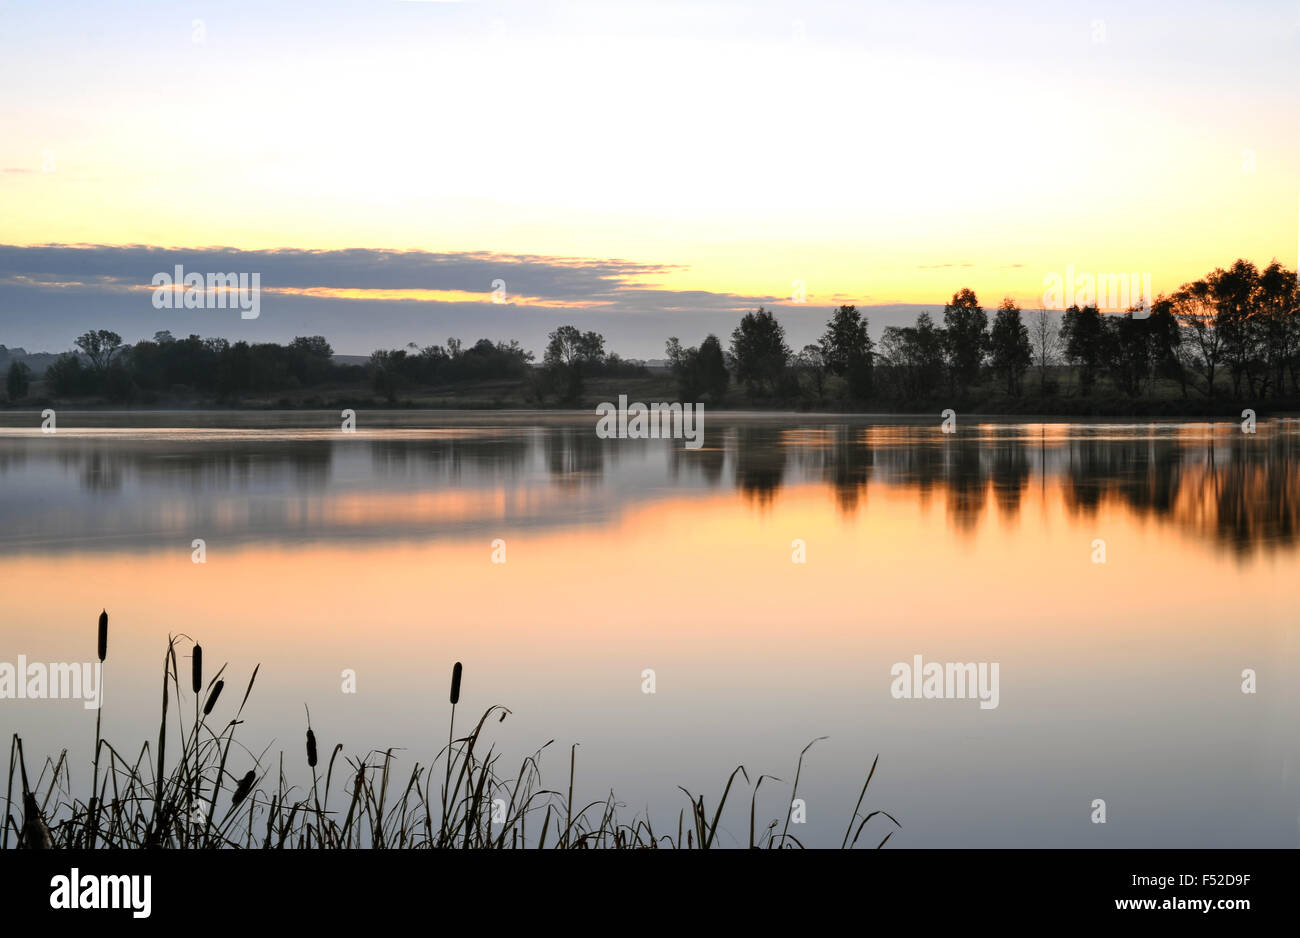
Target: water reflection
<point x="371" y="552"/>
<point x="110" y="488"/>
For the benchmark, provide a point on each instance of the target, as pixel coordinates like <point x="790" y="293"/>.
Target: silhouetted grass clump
<point x="201" y="801"/>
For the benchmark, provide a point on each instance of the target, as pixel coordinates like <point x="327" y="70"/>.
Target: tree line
<point x="103" y="365"/>
<point x="1234" y="333"/>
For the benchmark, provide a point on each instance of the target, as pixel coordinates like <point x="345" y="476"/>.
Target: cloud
<point x="128" y="266"/>
<point x="362" y="299"/>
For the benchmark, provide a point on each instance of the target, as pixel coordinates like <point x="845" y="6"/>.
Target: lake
<point x="1122" y="577"/>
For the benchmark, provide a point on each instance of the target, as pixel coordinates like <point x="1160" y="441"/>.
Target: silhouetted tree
<point x="1084" y="340"/>
<point x="700" y="372"/>
<point x="1045" y="338"/>
<point x="685" y="366"/>
<point x="965" y="332"/>
<point x="713" y="368"/>
<point x="914" y="356"/>
<point x="1195" y="309"/>
<point x="1279" y="324"/>
<point x="759" y="351"/>
<point x="811" y="362"/>
<point x="570" y="355"/>
<point x="1165" y="343"/>
<point x="17" y="380"/>
<point x="67" y="377"/>
<point x="1236" y="294"/>
<point x="1128" y="351"/>
<point x="309" y="359"/>
<point x="847" y="350"/>
<point x="1009" y="346"/>
<point x="99" y="346"/>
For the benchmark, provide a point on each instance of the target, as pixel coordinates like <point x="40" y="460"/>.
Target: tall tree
<point x="570" y="355"/>
<point x="17" y="380"/>
<point x="99" y="345"/>
<point x="847" y="350"/>
<point x="965" y="330"/>
<point x="567" y="345"/>
<point x="1279" y="301"/>
<point x="1236" y="295"/>
<point x="759" y="351"/>
<point x="685" y="366"/>
<point x="1045" y="338"/>
<point x="1009" y="346"/>
<point x="713" y="368"/>
<point x="1195" y="309"/>
<point x="1167" y="359"/>
<point x="1084" y="339"/>
<point x="700" y="372"/>
<point x="914" y="356"/>
<point x="845" y="340"/>
<point x="1128" y="351"/>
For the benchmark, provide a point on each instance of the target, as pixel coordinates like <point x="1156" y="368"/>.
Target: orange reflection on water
<point x="712" y="568"/>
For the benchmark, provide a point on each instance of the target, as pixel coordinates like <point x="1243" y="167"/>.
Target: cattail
<point x="103" y="635"/>
<point x="311" y="748"/>
<point x="212" y="697"/>
<point x="455" y="684"/>
<point x="36" y="833"/>
<point x="196" y="673"/>
<point x="243" y="788"/>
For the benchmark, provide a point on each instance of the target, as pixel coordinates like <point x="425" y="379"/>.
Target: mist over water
<point x="373" y="552"/>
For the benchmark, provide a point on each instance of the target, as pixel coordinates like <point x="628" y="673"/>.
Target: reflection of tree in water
<point x="708" y="461"/>
<point x="966" y="480"/>
<point x="12" y="460"/>
<point x="1157" y="476"/>
<point x="1254" y="493"/>
<point x="1237" y="490"/>
<point x="491" y="456"/>
<point x="1010" y="474"/>
<point x="1092" y="468"/>
<point x="575" y="455"/>
<point x="198" y="468"/>
<point x="1242" y="491"/>
<point x="848" y="466"/>
<point x="917" y="462"/>
<point x="1280" y="488"/>
<point x="760" y="462"/>
<point x="101" y="474"/>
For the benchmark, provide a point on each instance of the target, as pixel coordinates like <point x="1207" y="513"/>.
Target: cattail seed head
<point x="103" y="635"/>
<point x="243" y="788"/>
<point x="196" y="672"/>
<point x="455" y="684"/>
<point x="311" y="748"/>
<point x="212" y="697"/>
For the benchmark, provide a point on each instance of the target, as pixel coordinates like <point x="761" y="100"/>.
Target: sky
<point x="648" y="169"/>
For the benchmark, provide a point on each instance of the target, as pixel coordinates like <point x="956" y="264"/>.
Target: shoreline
<point x="1081" y="410"/>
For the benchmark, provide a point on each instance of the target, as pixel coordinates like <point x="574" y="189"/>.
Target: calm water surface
<point x="373" y="552"/>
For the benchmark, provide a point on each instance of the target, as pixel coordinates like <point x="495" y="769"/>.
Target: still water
<point x="373" y="552"/>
